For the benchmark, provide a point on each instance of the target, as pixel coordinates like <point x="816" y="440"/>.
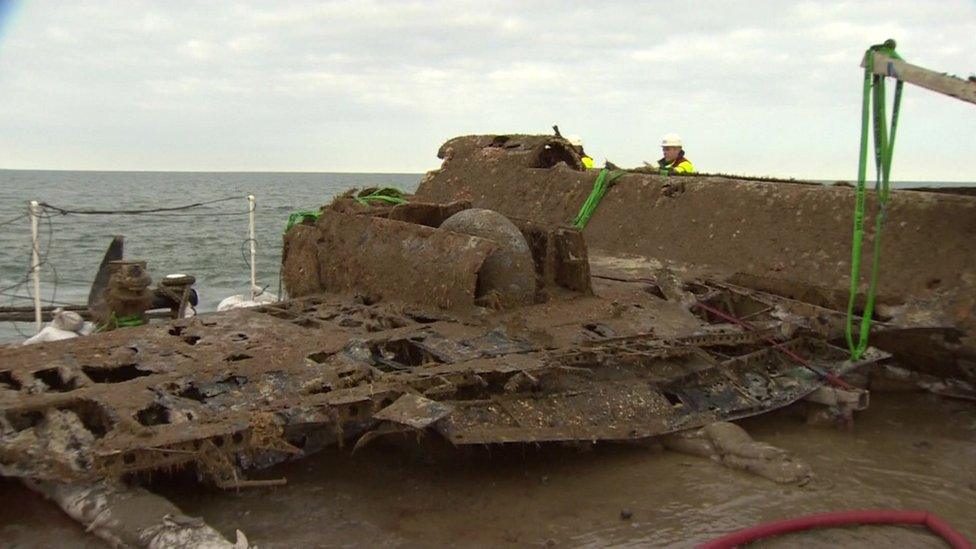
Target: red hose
<point x="841" y="518"/>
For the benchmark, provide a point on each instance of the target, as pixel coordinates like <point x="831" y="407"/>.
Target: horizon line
<point x="410" y="173"/>
<point x="201" y="171"/>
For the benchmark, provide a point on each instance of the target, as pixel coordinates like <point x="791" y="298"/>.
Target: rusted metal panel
<point x="389" y="259"/>
<point x="560" y="255"/>
<point x="299" y="261"/>
<point x="248" y="388"/>
<point x="628" y="394"/>
<point x="414" y="411"/>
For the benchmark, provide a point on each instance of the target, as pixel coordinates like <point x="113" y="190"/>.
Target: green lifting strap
<point x="390" y="195"/>
<point x="884" y="147"/>
<point x="115" y="322"/>
<point x="603" y="182"/>
<point x="301" y="216"/>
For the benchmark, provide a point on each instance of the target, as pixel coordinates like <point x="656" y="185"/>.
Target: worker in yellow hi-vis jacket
<point x="674" y="160"/>
<point x="577" y="143"/>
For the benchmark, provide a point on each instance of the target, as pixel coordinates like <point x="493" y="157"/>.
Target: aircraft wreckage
<point x="476" y="313"/>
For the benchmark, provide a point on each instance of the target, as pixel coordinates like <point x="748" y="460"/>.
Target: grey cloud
<point x="763" y="87"/>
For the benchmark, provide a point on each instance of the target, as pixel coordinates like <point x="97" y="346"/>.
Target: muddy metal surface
<point x="909" y="451"/>
<point x="250" y="387"/>
<point x="420" y="357"/>
<point x="792" y="239"/>
<point x="218" y="396"/>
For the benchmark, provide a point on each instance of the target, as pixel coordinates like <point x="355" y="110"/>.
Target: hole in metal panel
<point x="7" y="381"/>
<point x="400" y="354"/>
<point x="117" y="374"/>
<point x="320" y="357"/>
<point x="54" y="381"/>
<point x="673" y="399"/>
<point x="24" y="419"/>
<point x="154" y="414"/>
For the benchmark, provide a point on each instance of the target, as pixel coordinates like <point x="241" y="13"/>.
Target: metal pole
<point x="254" y="275"/>
<point x="36" y="263"/>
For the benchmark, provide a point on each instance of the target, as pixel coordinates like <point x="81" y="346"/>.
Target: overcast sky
<point x="757" y="87"/>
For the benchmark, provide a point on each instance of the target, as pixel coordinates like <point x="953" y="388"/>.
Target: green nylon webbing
<point x="603" y="182"/>
<point x="115" y="322"/>
<point x="295" y="218"/>
<point x="390" y="195"/>
<point x="884" y="146"/>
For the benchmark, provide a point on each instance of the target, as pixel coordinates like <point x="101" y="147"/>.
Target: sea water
<point x="209" y="242"/>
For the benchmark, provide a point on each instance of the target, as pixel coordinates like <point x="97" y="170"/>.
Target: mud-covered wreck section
<point x="428" y="317"/>
<point x="791" y="239"/>
<point x="439" y="317"/>
<point x="450" y="256"/>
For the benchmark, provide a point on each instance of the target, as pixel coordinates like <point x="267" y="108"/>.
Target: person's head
<point x="576" y="141"/>
<point x="671" y="146"/>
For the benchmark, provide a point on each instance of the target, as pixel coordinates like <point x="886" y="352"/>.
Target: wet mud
<point x="406" y="495"/>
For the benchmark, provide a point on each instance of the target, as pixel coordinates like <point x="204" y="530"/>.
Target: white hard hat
<point x="671" y="140"/>
<point x="575" y="140"/>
